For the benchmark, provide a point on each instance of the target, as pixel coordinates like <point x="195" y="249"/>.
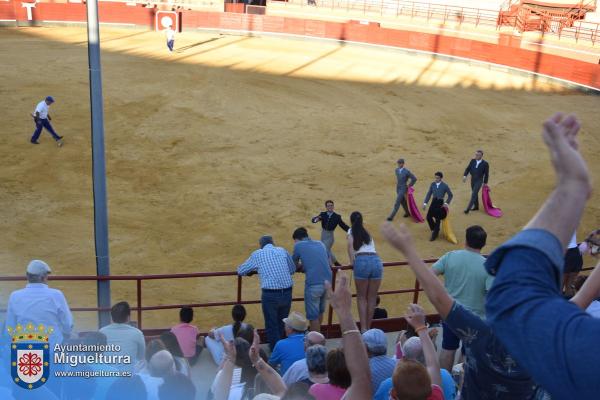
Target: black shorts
<point x="449" y="339"/>
<point x="573" y="261"/>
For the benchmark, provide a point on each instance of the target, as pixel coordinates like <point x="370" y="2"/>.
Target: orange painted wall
<point x="506" y="52"/>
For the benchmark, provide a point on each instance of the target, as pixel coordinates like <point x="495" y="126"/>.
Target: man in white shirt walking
<point x="42" y="119"/>
<point x="39" y="304"/>
<point x="170" y="37"/>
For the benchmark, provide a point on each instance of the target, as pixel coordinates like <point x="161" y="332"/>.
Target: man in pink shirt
<point x="187" y="335"/>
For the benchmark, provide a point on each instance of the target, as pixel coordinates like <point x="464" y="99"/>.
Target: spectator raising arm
<point x="225" y="376"/>
<point x="553" y="334"/>
<point x="415" y="316"/>
<point x="590" y="290"/>
<point x="573" y="187"/>
<point x="354" y="348"/>
<point x="267" y="373"/>
<point x="434" y="289"/>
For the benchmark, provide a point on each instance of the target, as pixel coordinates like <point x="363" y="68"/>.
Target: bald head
<point x="161" y="364"/>
<point x="312" y="338"/>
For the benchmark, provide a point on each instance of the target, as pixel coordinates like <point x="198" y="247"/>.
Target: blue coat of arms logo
<point x="30" y="355"/>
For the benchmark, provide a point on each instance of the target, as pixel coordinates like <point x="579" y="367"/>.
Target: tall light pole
<point x="98" y="162"/>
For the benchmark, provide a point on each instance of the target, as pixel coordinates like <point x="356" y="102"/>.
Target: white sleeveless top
<point x="365" y="248"/>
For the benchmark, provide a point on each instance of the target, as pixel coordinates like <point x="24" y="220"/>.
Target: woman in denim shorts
<point x="368" y="269"/>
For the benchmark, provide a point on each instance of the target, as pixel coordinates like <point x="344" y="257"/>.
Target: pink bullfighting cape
<point x="487" y="203"/>
<point x="412" y="205"/>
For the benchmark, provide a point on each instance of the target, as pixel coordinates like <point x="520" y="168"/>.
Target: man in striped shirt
<point x="275" y="269"/>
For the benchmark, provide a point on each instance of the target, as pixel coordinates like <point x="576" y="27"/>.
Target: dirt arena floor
<point x="232" y="137"/>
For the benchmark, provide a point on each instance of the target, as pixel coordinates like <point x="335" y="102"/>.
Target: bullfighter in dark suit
<point x="329" y="221"/>
<point x="405" y="179"/>
<point x="436" y="213"/>
<point x="480" y="172"/>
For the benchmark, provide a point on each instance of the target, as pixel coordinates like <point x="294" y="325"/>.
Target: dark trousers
<point x="193" y="359"/>
<point x="276" y="306"/>
<point x="43" y="123"/>
<point x="170" y="44"/>
<point x="475" y="188"/>
<point x="435" y="214"/>
<point x="400" y="200"/>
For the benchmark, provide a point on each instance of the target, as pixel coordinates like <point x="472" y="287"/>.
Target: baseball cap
<point x="400" y="161"/>
<point x="50" y="99"/>
<point x="38" y="267"/>
<point x="375" y="341"/>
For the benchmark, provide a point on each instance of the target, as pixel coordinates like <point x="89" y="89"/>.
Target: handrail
<point x="139" y="279"/>
<point x="329" y="329"/>
<point x="447" y="12"/>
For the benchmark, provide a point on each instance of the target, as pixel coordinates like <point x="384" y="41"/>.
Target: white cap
<point x="38" y="267"/>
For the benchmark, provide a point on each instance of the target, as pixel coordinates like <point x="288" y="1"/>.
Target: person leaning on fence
<point x="556" y="341"/>
<point x="311" y="258"/>
<point x="275" y="269"/>
<point x="39" y="304"/>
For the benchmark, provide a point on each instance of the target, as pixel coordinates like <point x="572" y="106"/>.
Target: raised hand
<point x="229" y="347"/>
<point x="341" y="298"/>
<point x="560" y="135"/>
<point x="253" y="353"/>
<point x="400" y="238"/>
<point x="415" y="316"/>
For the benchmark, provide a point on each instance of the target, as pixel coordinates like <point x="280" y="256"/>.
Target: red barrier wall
<point x="506" y="51"/>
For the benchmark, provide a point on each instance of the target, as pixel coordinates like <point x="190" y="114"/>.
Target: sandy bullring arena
<point x="232" y="137"/>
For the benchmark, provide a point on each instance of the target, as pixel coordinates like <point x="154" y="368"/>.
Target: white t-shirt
<point x="236" y="390"/>
<point x="170" y="33"/>
<point x="365" y="248"/>
<point x="42" y="108"/>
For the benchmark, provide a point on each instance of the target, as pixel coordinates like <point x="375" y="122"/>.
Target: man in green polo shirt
<point x="467" y="281"/>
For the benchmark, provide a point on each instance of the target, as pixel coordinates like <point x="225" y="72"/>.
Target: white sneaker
<point x="59" y="143"/>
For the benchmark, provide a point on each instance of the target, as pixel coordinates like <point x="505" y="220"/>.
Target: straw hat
<point x="296" y="321"/>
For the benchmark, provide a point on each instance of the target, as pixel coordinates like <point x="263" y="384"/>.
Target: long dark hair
<point x="359" y="233"/>
<point x="238" y="313"/>
<point x="171" y="343"/>
<point x="242" y="360"/>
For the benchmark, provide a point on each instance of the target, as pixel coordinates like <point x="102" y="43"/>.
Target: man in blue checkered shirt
<point x="275" y="269"/>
